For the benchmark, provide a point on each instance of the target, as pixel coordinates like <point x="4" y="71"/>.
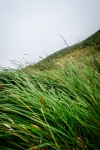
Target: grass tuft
<point x="51" y="110"/>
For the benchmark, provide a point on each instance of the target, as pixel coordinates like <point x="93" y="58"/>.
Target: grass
<point x="55" y="104"/>
<point x="51" y="110"/>
<point x="93" y="40"/>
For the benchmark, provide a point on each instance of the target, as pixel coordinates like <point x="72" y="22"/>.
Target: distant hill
<point x="91" y="41"/>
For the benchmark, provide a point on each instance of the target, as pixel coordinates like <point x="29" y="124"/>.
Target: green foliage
<point x="56" y="110"/>
<point x="45" y="64"/>
<point x="93" y="40"/>
<point x="53" y="107"/>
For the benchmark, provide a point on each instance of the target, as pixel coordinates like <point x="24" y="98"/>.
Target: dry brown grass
<point x="78" y="56"/>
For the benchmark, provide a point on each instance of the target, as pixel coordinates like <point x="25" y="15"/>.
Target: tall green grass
<point x="51" y="110"/>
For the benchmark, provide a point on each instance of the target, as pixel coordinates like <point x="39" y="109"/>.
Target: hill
<point x="88" y="46"/>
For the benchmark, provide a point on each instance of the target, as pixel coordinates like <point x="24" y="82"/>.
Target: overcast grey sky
<point x="33" y="26"/>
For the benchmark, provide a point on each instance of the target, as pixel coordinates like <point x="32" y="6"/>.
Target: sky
<point x="29" y="29"/>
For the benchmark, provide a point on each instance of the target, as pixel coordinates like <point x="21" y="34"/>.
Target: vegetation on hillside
<point x="52" y="109"/>
<point x="92" y="42"/>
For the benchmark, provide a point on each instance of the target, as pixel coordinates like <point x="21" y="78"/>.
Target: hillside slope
<point x="87" y="47"/>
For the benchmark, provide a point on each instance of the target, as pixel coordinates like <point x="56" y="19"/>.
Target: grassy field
<point x="54" y="106"/>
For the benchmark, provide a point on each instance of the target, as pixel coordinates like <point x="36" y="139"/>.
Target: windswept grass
<point x="51" y="110"/>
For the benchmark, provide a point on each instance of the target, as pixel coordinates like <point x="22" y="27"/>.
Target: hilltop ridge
<point x="92" y="40"/>
<point x="86" y="46"/>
